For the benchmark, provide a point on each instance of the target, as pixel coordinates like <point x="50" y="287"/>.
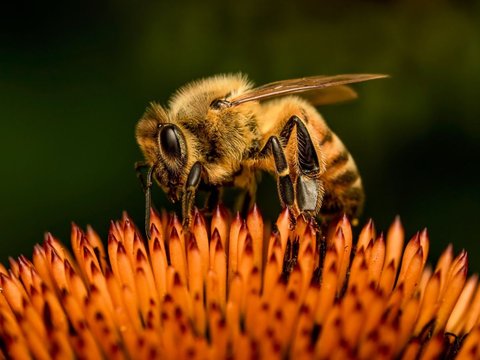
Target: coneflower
<point x="225" y="290"/>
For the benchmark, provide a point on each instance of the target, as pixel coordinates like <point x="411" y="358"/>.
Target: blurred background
<point x="75" y="79"/>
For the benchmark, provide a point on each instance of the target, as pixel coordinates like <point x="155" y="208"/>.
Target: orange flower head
<point x="238" y="288"/>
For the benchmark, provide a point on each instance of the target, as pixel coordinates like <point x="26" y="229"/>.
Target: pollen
<point x="239" y="288"/>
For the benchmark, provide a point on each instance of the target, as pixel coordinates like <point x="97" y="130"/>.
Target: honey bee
<point x="222" y="131"/>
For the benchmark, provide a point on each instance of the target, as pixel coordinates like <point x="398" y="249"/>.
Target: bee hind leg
<point x="284" y="181"/>
<point x="309" y="188"/>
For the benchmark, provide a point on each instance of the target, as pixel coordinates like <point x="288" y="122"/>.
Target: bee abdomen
<point x="346" y="178"/>
<point x="343" y="185"/>
<point x="339" y="164"/>
<point x="338" y="160"/>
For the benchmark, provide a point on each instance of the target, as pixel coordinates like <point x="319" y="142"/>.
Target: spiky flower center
<point x="227" y="290"/>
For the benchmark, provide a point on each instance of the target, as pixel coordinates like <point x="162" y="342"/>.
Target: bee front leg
<point x="188" y="198"/>
<point x="139" y="167"/>
<point x="284" y="181"/>
<point x="146" y="186"/>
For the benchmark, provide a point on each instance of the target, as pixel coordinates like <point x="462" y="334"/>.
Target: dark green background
<point x="75" y="79"/>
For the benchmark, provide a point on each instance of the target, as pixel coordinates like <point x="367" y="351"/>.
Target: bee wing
<point x="306" y="84"/>
<point x="330" y="95"/>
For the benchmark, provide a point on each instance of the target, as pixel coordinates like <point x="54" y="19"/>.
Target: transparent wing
<point x="306" y="84"/>
<point x="329" y="95"/>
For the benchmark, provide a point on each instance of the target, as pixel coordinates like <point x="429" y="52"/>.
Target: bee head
<point x="164" y="146"/>
<point x="172" y="159"/>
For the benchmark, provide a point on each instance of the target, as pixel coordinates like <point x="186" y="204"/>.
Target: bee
<point x="222" y="131"/>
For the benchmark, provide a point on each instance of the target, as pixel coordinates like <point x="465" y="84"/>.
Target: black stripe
<point x="340" y="159"/>
<point x="327" y="138"/>
<point x="346" y="178"/>
<point x="354" y="193"/>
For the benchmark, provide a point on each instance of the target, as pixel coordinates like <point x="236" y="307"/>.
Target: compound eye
<point x="169" y="142"/>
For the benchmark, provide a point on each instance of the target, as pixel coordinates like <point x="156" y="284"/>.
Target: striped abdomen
<point x="342" y="182"/>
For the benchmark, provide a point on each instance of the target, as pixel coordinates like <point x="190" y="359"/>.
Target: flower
<point x="225" y="290"/>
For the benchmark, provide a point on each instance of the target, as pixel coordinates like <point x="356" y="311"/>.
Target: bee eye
<point x="169" y="142"/>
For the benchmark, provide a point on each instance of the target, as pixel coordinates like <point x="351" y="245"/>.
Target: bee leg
<point x="284" y="181"/>
<point x="307" y="156"/>
<point x="139" y="166"/>
<point x="148" y="200"/>
<point x="245" y="179"/>
<point x="309" y="189"/>
<point x="245" y="200"/>
<point x="188" y="198"/>
<point x="247" y="203"/>
<point x="213" y="197"/>
<point x="146" y="185"/>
